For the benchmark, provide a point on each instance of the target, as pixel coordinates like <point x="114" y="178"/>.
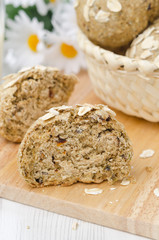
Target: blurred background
<point x="39" y="32"/>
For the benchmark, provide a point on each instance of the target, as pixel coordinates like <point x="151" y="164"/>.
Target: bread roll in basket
<point x="127" y="84"/>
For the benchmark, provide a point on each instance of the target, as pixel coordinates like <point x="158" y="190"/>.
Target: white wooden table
<point x="21" y="222"/>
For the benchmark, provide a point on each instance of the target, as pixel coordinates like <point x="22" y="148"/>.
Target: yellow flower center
<point x="33" y="41"/>
<point x="52" y="1"/>
<point x="68" y="50"/>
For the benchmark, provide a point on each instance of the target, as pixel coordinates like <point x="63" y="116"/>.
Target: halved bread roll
<point x="26" y="95"/>
<point x="84" y="143"/>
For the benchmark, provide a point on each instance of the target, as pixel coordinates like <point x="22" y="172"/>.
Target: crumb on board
<point x="147" y="153"/>
<point x="112" y="188"/>
<point x="156" y="192"/>
<point x="93" y="191"/>
<point x="110" y="202"/>
<point x="125" y="182"/>
<point x="133" y="180"/>
<point x="74" y="225"/>
<point x="148" y="169"/>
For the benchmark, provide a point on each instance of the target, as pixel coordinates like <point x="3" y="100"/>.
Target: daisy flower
<point x="43" y="7"/>
<point x="65" y="16"/>
<point x="23" y="3"/>
<point x="23" y="36"/>
<point x="64" y="52"/>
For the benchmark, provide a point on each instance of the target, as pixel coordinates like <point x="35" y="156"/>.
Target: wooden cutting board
<point x="133" y="208"/>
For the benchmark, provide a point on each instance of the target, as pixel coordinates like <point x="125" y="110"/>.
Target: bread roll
<point x="84" y="143"/>
<point x="25" y="96"/>
<point x="112" y="24"/>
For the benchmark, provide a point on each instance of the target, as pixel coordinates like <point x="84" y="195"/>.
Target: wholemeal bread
<point x="146" y="45"/>
<point x="112" y="24"/>
<point x="26" y="95"/>
<point x="75" y="144"/>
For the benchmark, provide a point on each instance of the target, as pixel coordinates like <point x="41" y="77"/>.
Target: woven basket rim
<point x="116" y="61"/>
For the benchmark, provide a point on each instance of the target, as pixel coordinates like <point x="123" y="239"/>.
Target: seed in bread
<point x="113" y="24"/>
<point x="26" y="95"/>
<point x="75" y="144"/>
<point x="146" y="45"/>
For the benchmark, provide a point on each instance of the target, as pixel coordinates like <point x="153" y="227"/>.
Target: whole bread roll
<point x="113" y="24"/>
<point x="146" y="45"/>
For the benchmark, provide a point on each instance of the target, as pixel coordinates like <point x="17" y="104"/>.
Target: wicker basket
<point x="129" y="85"/>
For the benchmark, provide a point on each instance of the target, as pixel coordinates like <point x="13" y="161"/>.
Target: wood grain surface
<point x="133" y="208"/>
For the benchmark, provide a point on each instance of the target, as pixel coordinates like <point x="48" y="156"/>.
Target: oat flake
<point x="10" y="84"/>
<point x="125" y="182"/>
<point x="83" y="110"/>
<point x="114" y="5"/>
<point x="42" y="68"/>
<point x="105" y="108"/>
<point x="102" y="16"/>
<point x="149" y="43"/>
<point x="52" y="113"/>
<point x="156" y="61"/>
<point x="156" y="192"/>
<point x="86" y="9"/>
<point x="155" y="45"/>
<point x="148" y="32"/>
<point x="146" y="54"/>
<point x="132" y="51"/>
<point x="138" y="40"/>
<point x="63" y="107"/>
<point x="93" y="191"/>
<point x="37" y="67"/>
<point x="25" y="69"/>
<point x="86" y="13"/>
<point x="92" y="13"/>
<point x="147" y="153"/>
<point x="90" y="3"/>
<point x="74" y="225"/>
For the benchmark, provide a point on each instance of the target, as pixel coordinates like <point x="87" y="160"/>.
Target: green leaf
<point x="46" y="1"/>
<point x="12" y="11"/>
<point x="66" y="1"/>
<point x="31" y="12"/>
